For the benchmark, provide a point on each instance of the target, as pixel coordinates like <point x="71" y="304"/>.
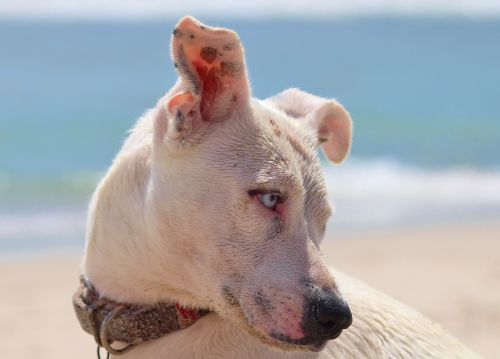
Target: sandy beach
<point x="449" y="273"/>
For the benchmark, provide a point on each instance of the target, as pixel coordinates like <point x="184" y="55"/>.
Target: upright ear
<point x="213" y="81"/>
<point x="331" y="121"/>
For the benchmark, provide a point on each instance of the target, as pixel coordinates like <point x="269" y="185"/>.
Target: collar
<point x="129" y="324"/>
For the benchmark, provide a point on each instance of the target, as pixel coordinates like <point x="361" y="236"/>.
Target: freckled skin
<point x="261" y="301"/>
<point x="229" y="46"/>
<point x="209" y="54"/>
<point x="228" y="68"/>
<point x="177" y="32"/>
<point x="229" y="296"/>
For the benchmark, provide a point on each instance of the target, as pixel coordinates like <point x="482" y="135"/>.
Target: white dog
<point x="203" y="237"/>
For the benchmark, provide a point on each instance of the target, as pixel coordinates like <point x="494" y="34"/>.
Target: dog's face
<point x="242" y="185"/>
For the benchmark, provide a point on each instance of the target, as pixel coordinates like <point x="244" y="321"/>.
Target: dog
<point x="207" y="228"/>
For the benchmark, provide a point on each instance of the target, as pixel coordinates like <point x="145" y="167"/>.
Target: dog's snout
<point x="333" y="316"/>
<point x="326" y="316"/>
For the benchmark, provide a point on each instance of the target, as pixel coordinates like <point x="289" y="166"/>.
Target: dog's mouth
<point x="314" y="344"/>
<point x="285" y="343"/>
<point x="282" y="322"/>
<point x="282" y="341"/>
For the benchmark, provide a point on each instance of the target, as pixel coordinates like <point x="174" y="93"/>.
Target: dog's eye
<point x="269" y="200"/>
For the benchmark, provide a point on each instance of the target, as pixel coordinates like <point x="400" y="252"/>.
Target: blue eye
<point x="269" y="200"/>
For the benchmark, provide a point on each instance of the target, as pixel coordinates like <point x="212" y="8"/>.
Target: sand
<point x="450" y="273"/>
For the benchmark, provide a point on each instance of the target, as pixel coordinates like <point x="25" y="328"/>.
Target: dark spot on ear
<point x="235" y="98"/>
<point x="229" y="296"/>
<point x="203" y="27"/>
<point x="228" y="68"/>
<point x="191" y="36"/>
<point x="208" y="54"/>
<point x="322" y="140"/>
<point x="176" y="64"/>
<point x="229" y="46"/>
<point x="262" y="301"/>
<point x="177" y="32"/>
<point x="179" y="121"/>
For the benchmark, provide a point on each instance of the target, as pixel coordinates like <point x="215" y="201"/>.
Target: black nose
<point x="326" y="316"/>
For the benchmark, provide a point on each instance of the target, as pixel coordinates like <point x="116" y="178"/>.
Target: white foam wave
<point x="47" y="223"/>
<point x="385" y="192"/>
<point x="364" y="193"/>
<point x="133" y="9"/>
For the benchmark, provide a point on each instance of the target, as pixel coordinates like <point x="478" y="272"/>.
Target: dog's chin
<point x="304" y="344"/>
<point x="282" y="342"/>
<point x="276" y="340"/>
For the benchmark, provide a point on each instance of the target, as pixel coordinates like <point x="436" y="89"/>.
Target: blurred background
<point x="419" y="196"/>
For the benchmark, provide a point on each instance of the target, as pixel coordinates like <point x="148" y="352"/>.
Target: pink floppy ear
<point x="330" y="119"/>
<point x="211" y="66"/>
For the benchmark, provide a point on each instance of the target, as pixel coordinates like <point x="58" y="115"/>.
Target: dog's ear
<point x="330" y="119"/>
<point x="213" y="81"/>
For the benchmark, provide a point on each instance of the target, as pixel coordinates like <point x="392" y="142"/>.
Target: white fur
<point x="382" y="328"/>
<point x="174" y="220"/>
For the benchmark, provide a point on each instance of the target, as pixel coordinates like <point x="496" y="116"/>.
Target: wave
<point x="28" y="188"/>
<point x="365" y="194"/>
<point x="42" y="223"/>
<point x="386" y="192"/>
<point x="132" y="9"/>
<point x="41" y="231"/>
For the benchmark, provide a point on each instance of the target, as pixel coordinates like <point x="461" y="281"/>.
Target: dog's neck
<point x="129" y="325"/>
<point x="127" y="257"/>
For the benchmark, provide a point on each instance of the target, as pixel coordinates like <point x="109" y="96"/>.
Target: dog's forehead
<point x="278" y="149"/>
<point x="288" y="136"/>
<point x="282" y="155"/>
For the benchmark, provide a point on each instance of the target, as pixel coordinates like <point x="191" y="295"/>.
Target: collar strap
<point x="129" y="324"/>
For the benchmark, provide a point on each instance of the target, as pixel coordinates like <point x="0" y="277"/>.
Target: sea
<point x="423" y="92"/>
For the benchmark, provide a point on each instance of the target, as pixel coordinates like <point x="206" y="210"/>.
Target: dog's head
<point x="240" y="181"/>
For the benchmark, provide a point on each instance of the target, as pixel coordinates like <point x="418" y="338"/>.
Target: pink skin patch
<point x="283" y="318"/>
<point x="276" y="313"/>
<point x="212" y="86"/>
<point x="288" y="321"/>
<point x="187" y="313"/>
<point x="179" y="100"/>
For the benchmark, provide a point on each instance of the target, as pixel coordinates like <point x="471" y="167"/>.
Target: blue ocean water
<point x="424" y="94"/>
